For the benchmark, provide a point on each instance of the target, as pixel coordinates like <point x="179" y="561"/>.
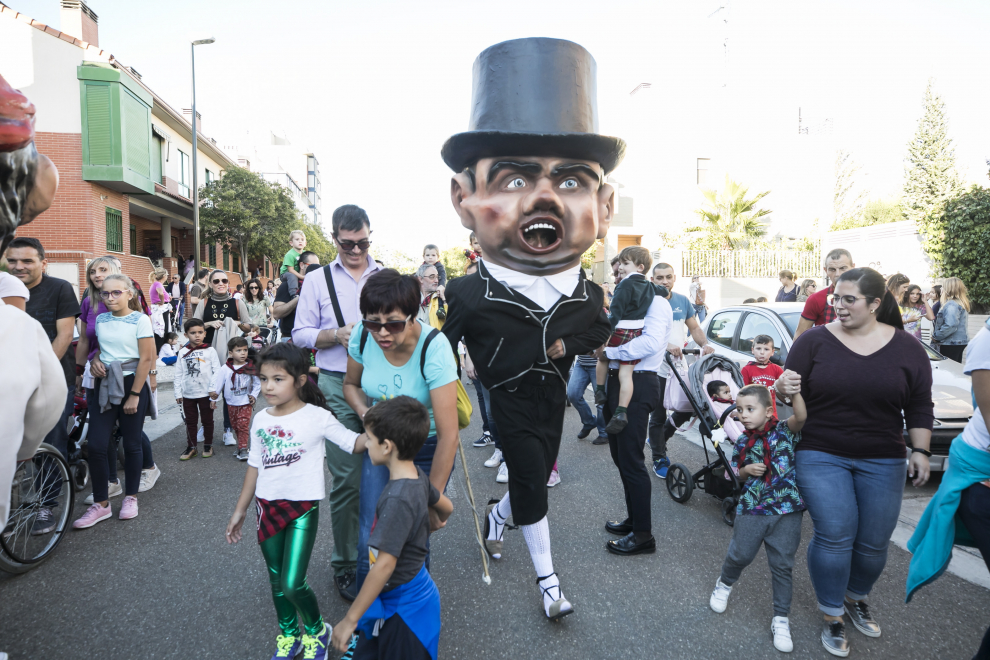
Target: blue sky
<point x="374" y="88"/>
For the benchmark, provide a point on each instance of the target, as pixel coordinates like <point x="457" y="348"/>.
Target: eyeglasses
<point x="107" y="295"/>
<point x="393" y="327"/>
<point x="220" y="281"/>
<point x="348" y="246"/>
<point x="847" y="301"/>
<point x="252" y="287"/>
<point x="434" y="276"/>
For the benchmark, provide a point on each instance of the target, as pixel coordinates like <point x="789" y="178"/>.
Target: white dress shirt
<point x="650" y="346"/>
<point x="543" y="290"/>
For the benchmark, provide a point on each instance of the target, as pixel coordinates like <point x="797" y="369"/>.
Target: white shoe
<point x="228" y="438"/>
<point x="199" y="435"/>
<point x="781" y="630"/>
<point x="720" y="597"/>
<point x="495" y="460"/>
<point x="149" y="478"/>
<point x="554" y="479"/>
<point x="113" y="490"/>
<point x="503" y="474"/>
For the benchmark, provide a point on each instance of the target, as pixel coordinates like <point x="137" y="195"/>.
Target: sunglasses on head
<point x="220" y="281"/>
<point x="107" y="295"/>
<point x="348" y="246"/>
<point x="393" y="327"/>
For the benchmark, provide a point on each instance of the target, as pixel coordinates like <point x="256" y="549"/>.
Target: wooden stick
<point x="474" y="511"/>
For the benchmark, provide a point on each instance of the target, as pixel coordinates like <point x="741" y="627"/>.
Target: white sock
<point x="500" y="513"/>
<point x="538" y="540"/>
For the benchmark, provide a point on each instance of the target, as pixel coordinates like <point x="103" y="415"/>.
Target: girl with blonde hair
<point x="953" y="319"/>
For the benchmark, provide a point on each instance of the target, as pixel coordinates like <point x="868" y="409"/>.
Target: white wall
<point x="891" y="248"/>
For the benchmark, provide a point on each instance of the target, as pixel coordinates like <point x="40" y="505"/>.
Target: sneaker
<point x="554" y="479"/>
<point x="441" y="314"/>
<point x="495" y="460"/>
<point x="600" y="440"/>
<point x="503" y="474"/>
<point x="44" y="522"/>
<point x="149" y="478"/>
<point x="241" y="455"/>
<point x="720" y="596"/>
<point x="617" y="423"/>
<point x="346" y="584"/>
<point x="834" y="638"/>
<point x="188" y="453"/>
<point x="781" y="629"/>
<point x="128" y="508"/>
<point x="207" y="451"/>
<point x="585" y="431"/>
<point x="859" y="614"/>
<point x="484" y="440"/>
<point x="315" y="646"/>
<point x="199" y="435"/>
<point x="228" y="438"/>
<point x="93" y="515"/>
<point x="348" y="654"/>
<point x="287" y="647"/>
<point x="113" y="490"/>
<point x="660" y="466"/>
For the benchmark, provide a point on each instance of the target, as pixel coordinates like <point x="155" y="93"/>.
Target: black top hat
<point x="534" y="97"/>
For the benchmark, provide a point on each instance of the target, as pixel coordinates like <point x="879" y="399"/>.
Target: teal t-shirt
<point x="382" y="380"/>
<point x="118" y="336"/>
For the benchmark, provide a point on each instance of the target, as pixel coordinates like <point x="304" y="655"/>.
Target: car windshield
<point x="933" y="355"/>
<point x="791" y="319"/>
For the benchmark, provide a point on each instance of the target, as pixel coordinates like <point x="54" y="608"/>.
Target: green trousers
<point x="287" y="556"/>
<point x="346" y="471"/>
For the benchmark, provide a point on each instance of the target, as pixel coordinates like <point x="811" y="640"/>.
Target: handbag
<point x="674" y="398"/>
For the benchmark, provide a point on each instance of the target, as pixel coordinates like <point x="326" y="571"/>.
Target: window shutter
<point x="99" y="136"/>
<point x="136" y="134"/>
<point x="134" y="240"/>
<point x="226" y="258"/>
<point x="115" y="230"/>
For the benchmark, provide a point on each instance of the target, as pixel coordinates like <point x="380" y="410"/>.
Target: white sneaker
<point x="228" y="438"/>
<point x="113" y="490"/>
<point x="554" y="479"/>
<point x="720" y="596"/>
<point x="495" y="460"/>
<point x="503" y="474"/>
<point x="149" y="478"/>
<point x="781" y="629"/>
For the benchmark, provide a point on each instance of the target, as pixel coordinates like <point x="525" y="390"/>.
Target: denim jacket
<point x="950" y="324"/>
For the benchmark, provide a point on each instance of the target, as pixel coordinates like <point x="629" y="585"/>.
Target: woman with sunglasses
<point x="864" y="380"/>
<point x="217" y="307"/>
<point x="385" y="360"/>
<point x="808" y="287"/>
<point x="258" y="305"/>
<point x="122" y="395"/>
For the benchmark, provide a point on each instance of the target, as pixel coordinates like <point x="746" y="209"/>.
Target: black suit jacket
<point x="508" y="334"/>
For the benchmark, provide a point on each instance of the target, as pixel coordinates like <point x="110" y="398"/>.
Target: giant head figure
<point x="530" y="172"/>
<point x="27" y="179"/>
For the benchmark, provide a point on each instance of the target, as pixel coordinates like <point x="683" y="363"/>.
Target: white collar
<point x="544" y="290"/>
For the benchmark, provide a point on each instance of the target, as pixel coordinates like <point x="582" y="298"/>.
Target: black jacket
<point x="633" y="298"/>
<point x="508" y="334"/>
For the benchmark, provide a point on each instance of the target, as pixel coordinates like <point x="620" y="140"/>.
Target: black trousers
<point x="974" y="509"/>
<point x="530" y="420"/>
<point x="627" y="446"/>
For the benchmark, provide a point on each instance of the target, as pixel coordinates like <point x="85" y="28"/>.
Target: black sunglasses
<point x="220" y="281"/>
<point x="347" y="246"/>
<point x="393" y="327"/>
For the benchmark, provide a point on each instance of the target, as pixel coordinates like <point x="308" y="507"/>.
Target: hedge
<point x="967" y="242"/>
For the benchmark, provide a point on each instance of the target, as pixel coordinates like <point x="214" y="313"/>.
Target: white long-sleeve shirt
<point x="650" y="346"/>
<point x="236" y="393"/>
<point x="194" y="372"/>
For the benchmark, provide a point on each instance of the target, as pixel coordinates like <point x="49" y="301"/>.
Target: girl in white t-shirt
<point x="285" y="476"/>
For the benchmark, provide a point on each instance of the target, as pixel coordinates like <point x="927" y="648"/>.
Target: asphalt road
<point x="166" y="585"/>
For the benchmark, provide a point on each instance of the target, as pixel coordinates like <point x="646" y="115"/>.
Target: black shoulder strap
<point x="422" y="356"/>
<point x="364" y="339"/>
<point x="333" y="297"/>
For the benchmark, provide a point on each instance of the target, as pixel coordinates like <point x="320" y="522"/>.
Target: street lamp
<point x="195" y="152"/>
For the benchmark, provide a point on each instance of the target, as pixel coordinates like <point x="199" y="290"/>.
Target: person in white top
<point x="13" y="292"/>
<point x="240" y="386"/>
<point x="197" y="364"/>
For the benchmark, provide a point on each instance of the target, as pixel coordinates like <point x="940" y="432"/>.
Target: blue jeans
<point x="492" y="427"/>
<point x="854" y="504"/>
<point x="701" y="312"/>
<point x="374" y="478"/>
<point x="581" y="377"/>
<point x="479" y="390"/>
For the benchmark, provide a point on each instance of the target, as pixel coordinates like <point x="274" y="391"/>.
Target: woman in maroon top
<point x="863" y="380"/>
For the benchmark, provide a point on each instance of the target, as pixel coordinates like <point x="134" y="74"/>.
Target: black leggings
<point x="100" y="430"/>
<point x="974" y="509"/>
<point x="953" y="351"/>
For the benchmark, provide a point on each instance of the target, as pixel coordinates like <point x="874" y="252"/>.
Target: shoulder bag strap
<point x="422" y="356"/>
<point x="333" y="297"/>
<point x="364" y="339"/>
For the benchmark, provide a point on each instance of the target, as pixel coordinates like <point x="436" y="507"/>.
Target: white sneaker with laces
<point x="495" y="460"/>
<point x="720" y="596"/>
<point x="503" y="474"/>
<point x="781" y="629"/>
<point x="228" y="438"/>
<point x="149" y="478"/>
<point x="113" y="490"/>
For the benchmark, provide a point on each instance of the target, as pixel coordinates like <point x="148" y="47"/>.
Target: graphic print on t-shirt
<point x="277" y="447"/>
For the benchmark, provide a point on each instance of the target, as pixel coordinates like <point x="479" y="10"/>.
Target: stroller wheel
<point x="80" y="474"/>
<point x="680" y="483"/>
<point x="729" y="511"/>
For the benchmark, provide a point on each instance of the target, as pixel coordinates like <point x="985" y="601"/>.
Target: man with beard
<point x="529" y="183"/>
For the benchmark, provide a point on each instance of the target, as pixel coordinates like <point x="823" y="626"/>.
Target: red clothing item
<point x="754" y="374"/>
<point x="817" y="309"/>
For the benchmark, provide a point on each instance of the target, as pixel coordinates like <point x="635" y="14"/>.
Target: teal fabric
<point x="939" y="527"/>
<point x="118" y="336"/>
<point x="381" y="380"/>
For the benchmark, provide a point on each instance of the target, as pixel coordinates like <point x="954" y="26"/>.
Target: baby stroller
<point x="716" y="478"/>
<point x="266" y="337"/>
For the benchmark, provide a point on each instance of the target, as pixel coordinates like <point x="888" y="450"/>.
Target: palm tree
<point x="729" y="218"/>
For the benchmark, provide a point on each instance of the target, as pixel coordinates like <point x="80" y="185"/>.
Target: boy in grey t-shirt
<point x="397" y="611"/>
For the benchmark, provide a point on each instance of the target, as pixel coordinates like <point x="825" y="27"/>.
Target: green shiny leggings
<point x="287" y="556"/>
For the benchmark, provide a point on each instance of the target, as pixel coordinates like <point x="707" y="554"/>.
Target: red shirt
<point x="817" y="309"/>
<point x="754" y="374"/>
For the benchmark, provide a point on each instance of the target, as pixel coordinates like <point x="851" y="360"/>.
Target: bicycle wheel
<point x="41" y="501"/>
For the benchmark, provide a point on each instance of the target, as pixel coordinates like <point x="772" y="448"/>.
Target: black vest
<point x="218" y="310"/>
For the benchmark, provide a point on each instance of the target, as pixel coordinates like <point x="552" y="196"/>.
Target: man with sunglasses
<point x="328" y="308"/>
<point x="817" y="308"/>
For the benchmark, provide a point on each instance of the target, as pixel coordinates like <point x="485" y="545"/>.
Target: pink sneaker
<point x="554" y="479"/>
<point x="128" y="508"/>
<point x="93" y="515"/>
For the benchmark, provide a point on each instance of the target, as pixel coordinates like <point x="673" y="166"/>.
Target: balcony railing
<point x="750" y="263"/>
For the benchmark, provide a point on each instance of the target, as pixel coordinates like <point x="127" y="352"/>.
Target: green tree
<point x="966" y="219"/>
<point x="317" y="241"/>
<point x="847" y="198"/>
<point x="930" y="177"/>
<point x="454" y="261"/>
<point x="729" y="218"/>
<point x="874" y="212"/>
<point x="588" y="258"/>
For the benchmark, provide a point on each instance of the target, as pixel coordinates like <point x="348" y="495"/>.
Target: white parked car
<point x="731" y="330"/>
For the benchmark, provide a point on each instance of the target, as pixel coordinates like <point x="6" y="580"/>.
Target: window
<point x="628" y="241"/>
<point x="213" y="255"/>
<point x="133" y="239"/>
<point x="757" y="324"/>
<point x="722" y="327"/>
<point x="703" y="171"/>
<point x="183" y="173"/>
<point x="226" y="258"/>
<point x="237" y="262"/>
<point x="115" y="230"/>
<point x="210" y="176"/>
